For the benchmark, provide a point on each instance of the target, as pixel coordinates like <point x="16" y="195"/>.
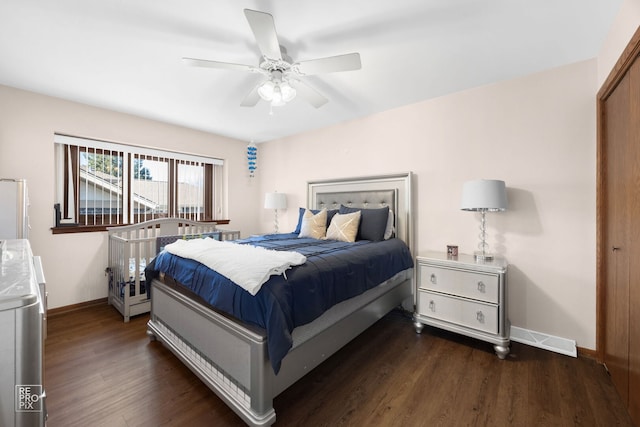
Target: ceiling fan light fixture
<point x="266" y="90"/>
<point x="288" y="92"/>
<point x="277" y="92"/>
<point x="277" y="100"/>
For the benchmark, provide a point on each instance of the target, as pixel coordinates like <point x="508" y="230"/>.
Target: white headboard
<point x="368" y="192"/>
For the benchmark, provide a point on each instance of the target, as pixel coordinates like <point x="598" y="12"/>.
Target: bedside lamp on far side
<point x="484" y="195"/>
<point x="275" y="201"/>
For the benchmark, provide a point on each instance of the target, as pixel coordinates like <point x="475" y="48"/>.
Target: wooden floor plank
<point x="102" y="371"/>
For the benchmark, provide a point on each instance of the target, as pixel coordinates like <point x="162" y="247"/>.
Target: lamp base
<point x="483" y="256"/>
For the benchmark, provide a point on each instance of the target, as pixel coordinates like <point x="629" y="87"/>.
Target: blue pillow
<point x="373" y="222"/>
<point x="330" y="214"/>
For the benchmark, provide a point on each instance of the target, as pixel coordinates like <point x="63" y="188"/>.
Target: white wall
<point x="74" y="264"/>
<point x="624" y="26"/>
<point x="537" y="133"/>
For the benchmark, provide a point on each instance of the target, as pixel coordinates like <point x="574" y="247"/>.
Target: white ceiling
<point x="125" y="55"/>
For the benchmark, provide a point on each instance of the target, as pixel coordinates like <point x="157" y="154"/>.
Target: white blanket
<point x="247" y="266"/>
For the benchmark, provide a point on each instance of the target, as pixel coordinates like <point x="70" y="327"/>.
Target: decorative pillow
<point x="330" y="214"/>
<point x="344" y="227"/>
<point x="391" y="229"/>
<point x="373" y="222"/>
<point x="314" y="226"/>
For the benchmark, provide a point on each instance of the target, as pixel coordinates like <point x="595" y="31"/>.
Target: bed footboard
<point x="229" y="358"/>
<point x="232" y="358"/>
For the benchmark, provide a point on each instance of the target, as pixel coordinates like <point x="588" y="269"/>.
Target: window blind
<point x="106" y="183"/>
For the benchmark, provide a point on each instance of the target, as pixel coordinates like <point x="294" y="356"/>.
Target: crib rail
<point x="132" y="247"/>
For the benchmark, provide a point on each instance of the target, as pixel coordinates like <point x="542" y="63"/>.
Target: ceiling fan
<point x="282" y="76"/>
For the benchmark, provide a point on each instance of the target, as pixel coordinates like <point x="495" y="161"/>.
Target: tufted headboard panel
<point x="368" y="192"/>
<point x="362" y="199"/>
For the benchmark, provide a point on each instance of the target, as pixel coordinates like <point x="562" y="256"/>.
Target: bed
<point x="232" y="356"/>
<point x="131" y="247"/>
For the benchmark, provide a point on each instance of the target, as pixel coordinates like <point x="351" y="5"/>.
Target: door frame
<point x="627" y="58"/>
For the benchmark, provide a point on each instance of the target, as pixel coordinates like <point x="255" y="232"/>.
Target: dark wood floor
<point x="103" y="372"/>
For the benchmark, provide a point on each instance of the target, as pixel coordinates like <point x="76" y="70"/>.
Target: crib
<point x="132" y="247"/>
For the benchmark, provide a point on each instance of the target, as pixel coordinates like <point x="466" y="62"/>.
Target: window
<point x="101" y="184"/>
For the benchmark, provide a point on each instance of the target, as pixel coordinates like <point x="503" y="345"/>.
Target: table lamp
<point x="484" y="195"/>
<point x="275" y="201"/>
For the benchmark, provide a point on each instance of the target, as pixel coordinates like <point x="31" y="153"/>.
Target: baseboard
<point x="548" y="342"/>
<point x="67" y="308"/>
<point x="588" y="353"/>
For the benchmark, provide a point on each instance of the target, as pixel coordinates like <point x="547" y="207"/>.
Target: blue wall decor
<point x="252" y="158"/>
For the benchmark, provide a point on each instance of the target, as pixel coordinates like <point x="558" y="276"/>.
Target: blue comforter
<point x="334" y="271"/>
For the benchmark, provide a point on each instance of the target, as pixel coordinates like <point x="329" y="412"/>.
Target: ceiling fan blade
<point x="216" y="64"/>
<point x="332" y="64"/>
<point x="264" y="30"/>
<point x="251" y="99"/>
<point x="311" y="95"/>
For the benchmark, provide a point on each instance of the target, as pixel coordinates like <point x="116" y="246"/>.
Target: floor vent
<point x="547" y="342"/>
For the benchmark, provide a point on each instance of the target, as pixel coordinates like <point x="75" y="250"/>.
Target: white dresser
<point x="22" y="316"/>
<point x="463" y="296"/>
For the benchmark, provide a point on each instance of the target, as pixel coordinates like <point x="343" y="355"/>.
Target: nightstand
<point x="463" y="296"/>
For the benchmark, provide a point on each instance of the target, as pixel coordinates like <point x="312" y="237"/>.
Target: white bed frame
<point x="231" y="357"/>
<point x="132" y="247"/>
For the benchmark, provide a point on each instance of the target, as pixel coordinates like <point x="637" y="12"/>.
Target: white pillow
<point x="314" y="226"/>
<point x="344" y="227"/>
<point x="388" y="233"/>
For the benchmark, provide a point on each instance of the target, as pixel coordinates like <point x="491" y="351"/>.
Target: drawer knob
<point x="432" y="305"/>
<point x="481" y="287"/>
<point x="480" y="317"/>
<point x="433" y="278"/>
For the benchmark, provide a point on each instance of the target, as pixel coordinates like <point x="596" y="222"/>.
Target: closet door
<point x="634" y="244"/>
<point x="617" y="135"/>
<point x="621" y="237"/>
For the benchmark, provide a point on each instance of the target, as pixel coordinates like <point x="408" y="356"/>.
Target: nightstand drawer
<point x="472" y="314"/>
<point x="468" y="284"/>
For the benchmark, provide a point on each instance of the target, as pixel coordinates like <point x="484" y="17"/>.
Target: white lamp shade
<point x="275" y="201"/>
<point x="487" y="195"/>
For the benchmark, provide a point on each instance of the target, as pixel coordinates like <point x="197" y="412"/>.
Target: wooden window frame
<point x="68" y="184"/>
